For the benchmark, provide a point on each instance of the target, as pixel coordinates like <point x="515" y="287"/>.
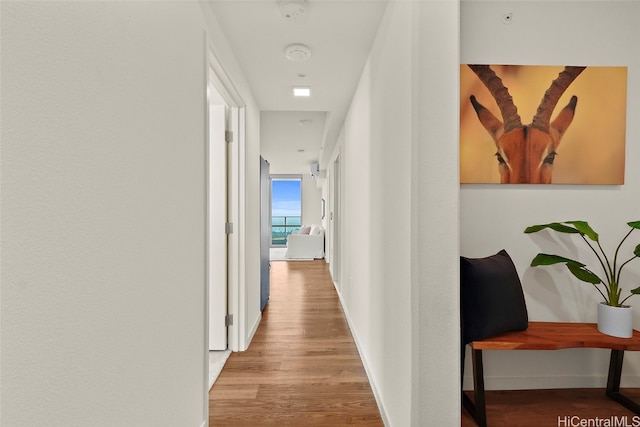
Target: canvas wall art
<point x="532" y="124"/>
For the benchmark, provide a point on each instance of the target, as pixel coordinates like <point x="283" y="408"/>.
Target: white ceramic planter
<point x="615" y="321"/>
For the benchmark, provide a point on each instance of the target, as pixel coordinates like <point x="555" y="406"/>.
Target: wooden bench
<point x="552" y="336"/>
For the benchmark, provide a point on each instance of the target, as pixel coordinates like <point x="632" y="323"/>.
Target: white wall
<point x="311" y="201"/>
<point x="392" y="269"/>
<point x="250" y="235"/>
<point x="435" y="217"/>
<point x="103" y="215"/>
<point x="493" y="217"/>
<point x="376" y="283"/>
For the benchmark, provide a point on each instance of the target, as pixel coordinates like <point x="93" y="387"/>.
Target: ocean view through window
<point x="286" y="207"/>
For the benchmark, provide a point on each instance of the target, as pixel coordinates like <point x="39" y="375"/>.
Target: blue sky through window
<point x="285" y="198"/>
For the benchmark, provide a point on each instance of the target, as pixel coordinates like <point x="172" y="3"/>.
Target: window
<point x="286" y="207"/>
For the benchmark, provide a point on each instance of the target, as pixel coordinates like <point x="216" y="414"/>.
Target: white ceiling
<point x="339" y="34"/>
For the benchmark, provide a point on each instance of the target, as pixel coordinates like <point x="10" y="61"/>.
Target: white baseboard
<point x="253" y="330"/>
<point x="372" y="383"/>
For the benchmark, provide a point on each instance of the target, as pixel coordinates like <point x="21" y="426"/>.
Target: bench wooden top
<point x="557" y="336"/>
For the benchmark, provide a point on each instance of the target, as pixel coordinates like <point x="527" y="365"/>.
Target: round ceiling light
<point x="297" y="52"/>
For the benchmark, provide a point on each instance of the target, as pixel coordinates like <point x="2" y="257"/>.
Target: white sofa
<point x="307" y="243"/>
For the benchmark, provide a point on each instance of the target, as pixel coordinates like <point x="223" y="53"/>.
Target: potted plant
<point x="607" y="284"/>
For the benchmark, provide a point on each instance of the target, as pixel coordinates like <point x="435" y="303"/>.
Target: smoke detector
<point x="294" y="11"/>
<point x="297" y="52"/>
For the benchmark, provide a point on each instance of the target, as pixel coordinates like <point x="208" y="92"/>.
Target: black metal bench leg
<point x="613" y="382"/>
<point x="615" y="371"/>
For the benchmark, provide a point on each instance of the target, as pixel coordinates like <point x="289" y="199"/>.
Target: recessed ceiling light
<point x="301" y="91"/>
<point x="305" y="122"/>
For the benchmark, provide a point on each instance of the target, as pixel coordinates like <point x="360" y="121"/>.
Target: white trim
<point x="205" y="378"/>
<point x="254" y="328"/>
<point x="233" y="303"/>
<point x="222" y="82"/>
<point x="365" y="364"/>
<point x="240" y="266"/>
<point x="205" y="424"/>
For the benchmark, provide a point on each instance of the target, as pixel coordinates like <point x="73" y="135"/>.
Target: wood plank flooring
<point x="302" y="367"/>
<point x="555" y="408"/>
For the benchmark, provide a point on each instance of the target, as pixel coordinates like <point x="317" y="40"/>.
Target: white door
<point x="217" y="228"/>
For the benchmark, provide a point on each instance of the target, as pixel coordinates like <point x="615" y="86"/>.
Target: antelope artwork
<point x="525" y="153"/>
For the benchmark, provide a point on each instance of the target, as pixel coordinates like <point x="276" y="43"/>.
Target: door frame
<point x="216" y="76"/>
<point x="334" y="220"/>
<point x="236" y="304"/>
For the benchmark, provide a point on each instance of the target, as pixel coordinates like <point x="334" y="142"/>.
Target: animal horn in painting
<point x="525" y="153"/>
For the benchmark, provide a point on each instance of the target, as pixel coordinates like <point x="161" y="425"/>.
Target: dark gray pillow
<point x="491" y="297"/>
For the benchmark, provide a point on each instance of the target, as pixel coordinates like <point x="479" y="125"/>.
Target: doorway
<point x="225" y="296"/>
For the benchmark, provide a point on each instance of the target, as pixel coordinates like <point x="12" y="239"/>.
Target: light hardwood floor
<point x="302" y="367"/>
<point x="556" y="408"/>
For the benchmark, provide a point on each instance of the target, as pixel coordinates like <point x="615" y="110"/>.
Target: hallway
<point x="302" y="367"/>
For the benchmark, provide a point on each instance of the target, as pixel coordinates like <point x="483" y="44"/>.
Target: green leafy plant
<point x="612" y="270"/>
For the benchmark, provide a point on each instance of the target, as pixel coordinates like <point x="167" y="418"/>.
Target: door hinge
<point x="228" y="320"/>
<point x="228" y="227"/>
<point x="228" y="136"/>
